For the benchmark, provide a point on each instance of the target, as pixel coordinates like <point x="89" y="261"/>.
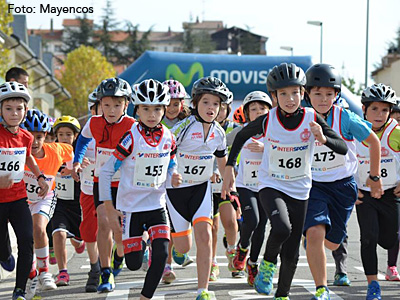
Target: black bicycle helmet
<point x="323" y="75"/>
<point x="114" y="87"/>
<point x="285" y="75"/>
<point x="212" y="85"/>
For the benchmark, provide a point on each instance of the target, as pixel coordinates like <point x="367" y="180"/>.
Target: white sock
<point x="230" y="248"/>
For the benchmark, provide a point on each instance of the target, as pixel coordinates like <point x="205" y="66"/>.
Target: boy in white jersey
<point x="199" y="138"/>
<point x="145" y="155"/>
<point x="285" y="171"/>
<point x="334" y="190"/>
<point x="378" y="217"/>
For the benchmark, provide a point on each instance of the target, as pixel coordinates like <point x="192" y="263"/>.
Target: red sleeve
<point x="125" y="146"/>
<point x="173" y="148"/>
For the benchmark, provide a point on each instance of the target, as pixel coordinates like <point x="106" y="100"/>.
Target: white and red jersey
<point x="195" y="151"/>
<point x="143" y="163"/>
<point x="390" y="161"/>
<point x="287" y="157"/>
<point x="249" y="164"/>
<point x="329" y="166"/>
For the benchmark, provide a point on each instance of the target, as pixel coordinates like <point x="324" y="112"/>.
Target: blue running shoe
<point x="321" y="294"/>
<point x="107" y="284"/>
<point x="263" y="282"/>
<point x="205" y="295"/>
<point x="146" y="258"/>
<point x="374" y="291"/>
<point x="116" y="266"/>
<point x="18" y="294"/>
<point x="9" y="264"/>
<point x="341" y="279"/>
<point x="179" y="258"/>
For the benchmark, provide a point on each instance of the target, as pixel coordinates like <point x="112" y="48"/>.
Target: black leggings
<point x="378" y="220"/>
<point x="159" y="248"/>
<point x="393" y="253"/>
<point x="20" y="218"/>
<point x="254" y="222"/>
<point x="287" y="216"/>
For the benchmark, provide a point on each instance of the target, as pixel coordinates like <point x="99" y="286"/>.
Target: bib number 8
<point x="195" y="170"/>
<point x="11" y="166"/>
<point x="289" y="164"/>
<point x="383" y="173"/>
<point x="155" y="171"/>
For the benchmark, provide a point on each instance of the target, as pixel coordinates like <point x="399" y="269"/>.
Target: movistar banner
<point x="242" y="74"/>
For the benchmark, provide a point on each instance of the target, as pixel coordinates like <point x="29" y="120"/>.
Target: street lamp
<point x="317" y="23"/>
<point x="366" y="48"/>
<point x="288" y="48"/>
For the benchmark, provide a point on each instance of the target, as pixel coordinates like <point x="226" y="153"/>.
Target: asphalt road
<point x="128" y="284"/>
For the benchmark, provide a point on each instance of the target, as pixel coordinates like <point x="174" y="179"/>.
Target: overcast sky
<point x="284" y="22"/>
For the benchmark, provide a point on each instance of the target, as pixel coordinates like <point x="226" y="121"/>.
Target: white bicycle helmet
<point x="92" y="98"/>
<point x="14" y="90"/>
<point x="151" y="92"/>
<point x="257" y="96"/>
<point x="379" y="92"/>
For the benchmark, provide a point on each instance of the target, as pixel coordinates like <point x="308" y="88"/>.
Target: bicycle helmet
<point x="37" y="121"/>
<point x="14" y="90"/>
<point x="396" y="108"/>
<point x="212" y="85"/>
<point x="378" y="92"/>
<point x="285" y="75"/>
<point x="67" y="121"/>
<point x="238" y="115"/>
<point x="323" y="75"/>
<point x="151" y="92"/>
<point x="257" y="96"/>
<point x="114" y="87"/>
<point x="176" y="89"/>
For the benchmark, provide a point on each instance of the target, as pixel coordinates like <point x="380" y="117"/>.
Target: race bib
<point x="102" y="155"/>
<point x="33" y="188"/>
<point x="216" y="187"/>
<point x="87" y="175"/>
<point x="12" y="161"/>
<point x="65" y="187"/>
<point x="195" y="168"/>
<point x="325" y="159"/>
<point x="388" y="171"/>
<point x="289" y="162"/>
<point x="250" y="172"/>
<point x="151" y="169"/>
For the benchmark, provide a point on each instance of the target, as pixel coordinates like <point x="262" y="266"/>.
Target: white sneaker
<point x="31" y="286"/>
<point x="47" y="281"/>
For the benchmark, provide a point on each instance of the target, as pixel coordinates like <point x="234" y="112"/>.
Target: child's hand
<point x="215" y="178"/>
<point x="396" y="191"/>
<point x="316" y="130"/>
<point x="376" y="188"/>
<point x="85" y="162"/>
<point x="176" y="179"/>
<point x="256" y="146"/>
<point x="44" y="188"/>
<point x="6" y="182"/>
<point x="75" y="170"/>
<point x="360" y="196"/>
<point x="65" y="172"/>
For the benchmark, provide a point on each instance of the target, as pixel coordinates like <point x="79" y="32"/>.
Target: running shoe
<point x="341" y="279"/>
<point x="239" y="261"/>
<point x="187" y="260"/>
<point x="263" y="282"/>
<point x="214" y="272"/>
<point x="168" y="275"/>
<point x="52" y="256"/>
<point x="238" y="274"/>
<point x="145" y="261"/>
<point x="81" y="248"/>
<point x="116" y="266"/>
<point x="107" y="284"/>
<point x="205" y="295"/>
<point x="374" y="291"/>
<point x="230" y="255"/>
<point x="9" y="264"/>
<point x="178" y="257"/>
<point x="93" y="282"/>
<point x="281" y="298"/>
<point x="321" y="294"/>
<point x="47" y="281"/>
<point x="252" y="271"/>
<point x="18" y="294"/>
<point x="392" y="274"/>
<point x="62" y="279"/>
<point x="31" y="286"/>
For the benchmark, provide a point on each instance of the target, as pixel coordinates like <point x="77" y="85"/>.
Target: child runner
<point x="285" y="171"/>
<point x="199" y="138"/>
<point x="395" y="114"/>
<point x="145" y="155"/>
<point x="67" y="215"/>
<point x="88" y="227"/>
<point x="49" y="158"/>
<point x="175" y="111"/>
<point x="114" y="95"/>
<point x="378" y="217"/>
<point x="334" y="189"/>
<point x="252" y="230"/>
<point x="15" y="152"/>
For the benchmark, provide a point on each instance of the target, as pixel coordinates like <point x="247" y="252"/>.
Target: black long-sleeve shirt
<point x="333" y="140"/>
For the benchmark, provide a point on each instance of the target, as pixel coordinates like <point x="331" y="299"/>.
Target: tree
<point x="5" y="19"/>
<point x="107" y="24"/>
<point x="188" y="39"/>
<point x="75" y="38"/>
<point x="351" y="84"/>
<point x="85" y="68"/>
<point x="249" y="43"/>
<point x="203" y="42"/>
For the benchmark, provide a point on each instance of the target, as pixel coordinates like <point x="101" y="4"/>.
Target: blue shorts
<point x="331" y="203"/>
